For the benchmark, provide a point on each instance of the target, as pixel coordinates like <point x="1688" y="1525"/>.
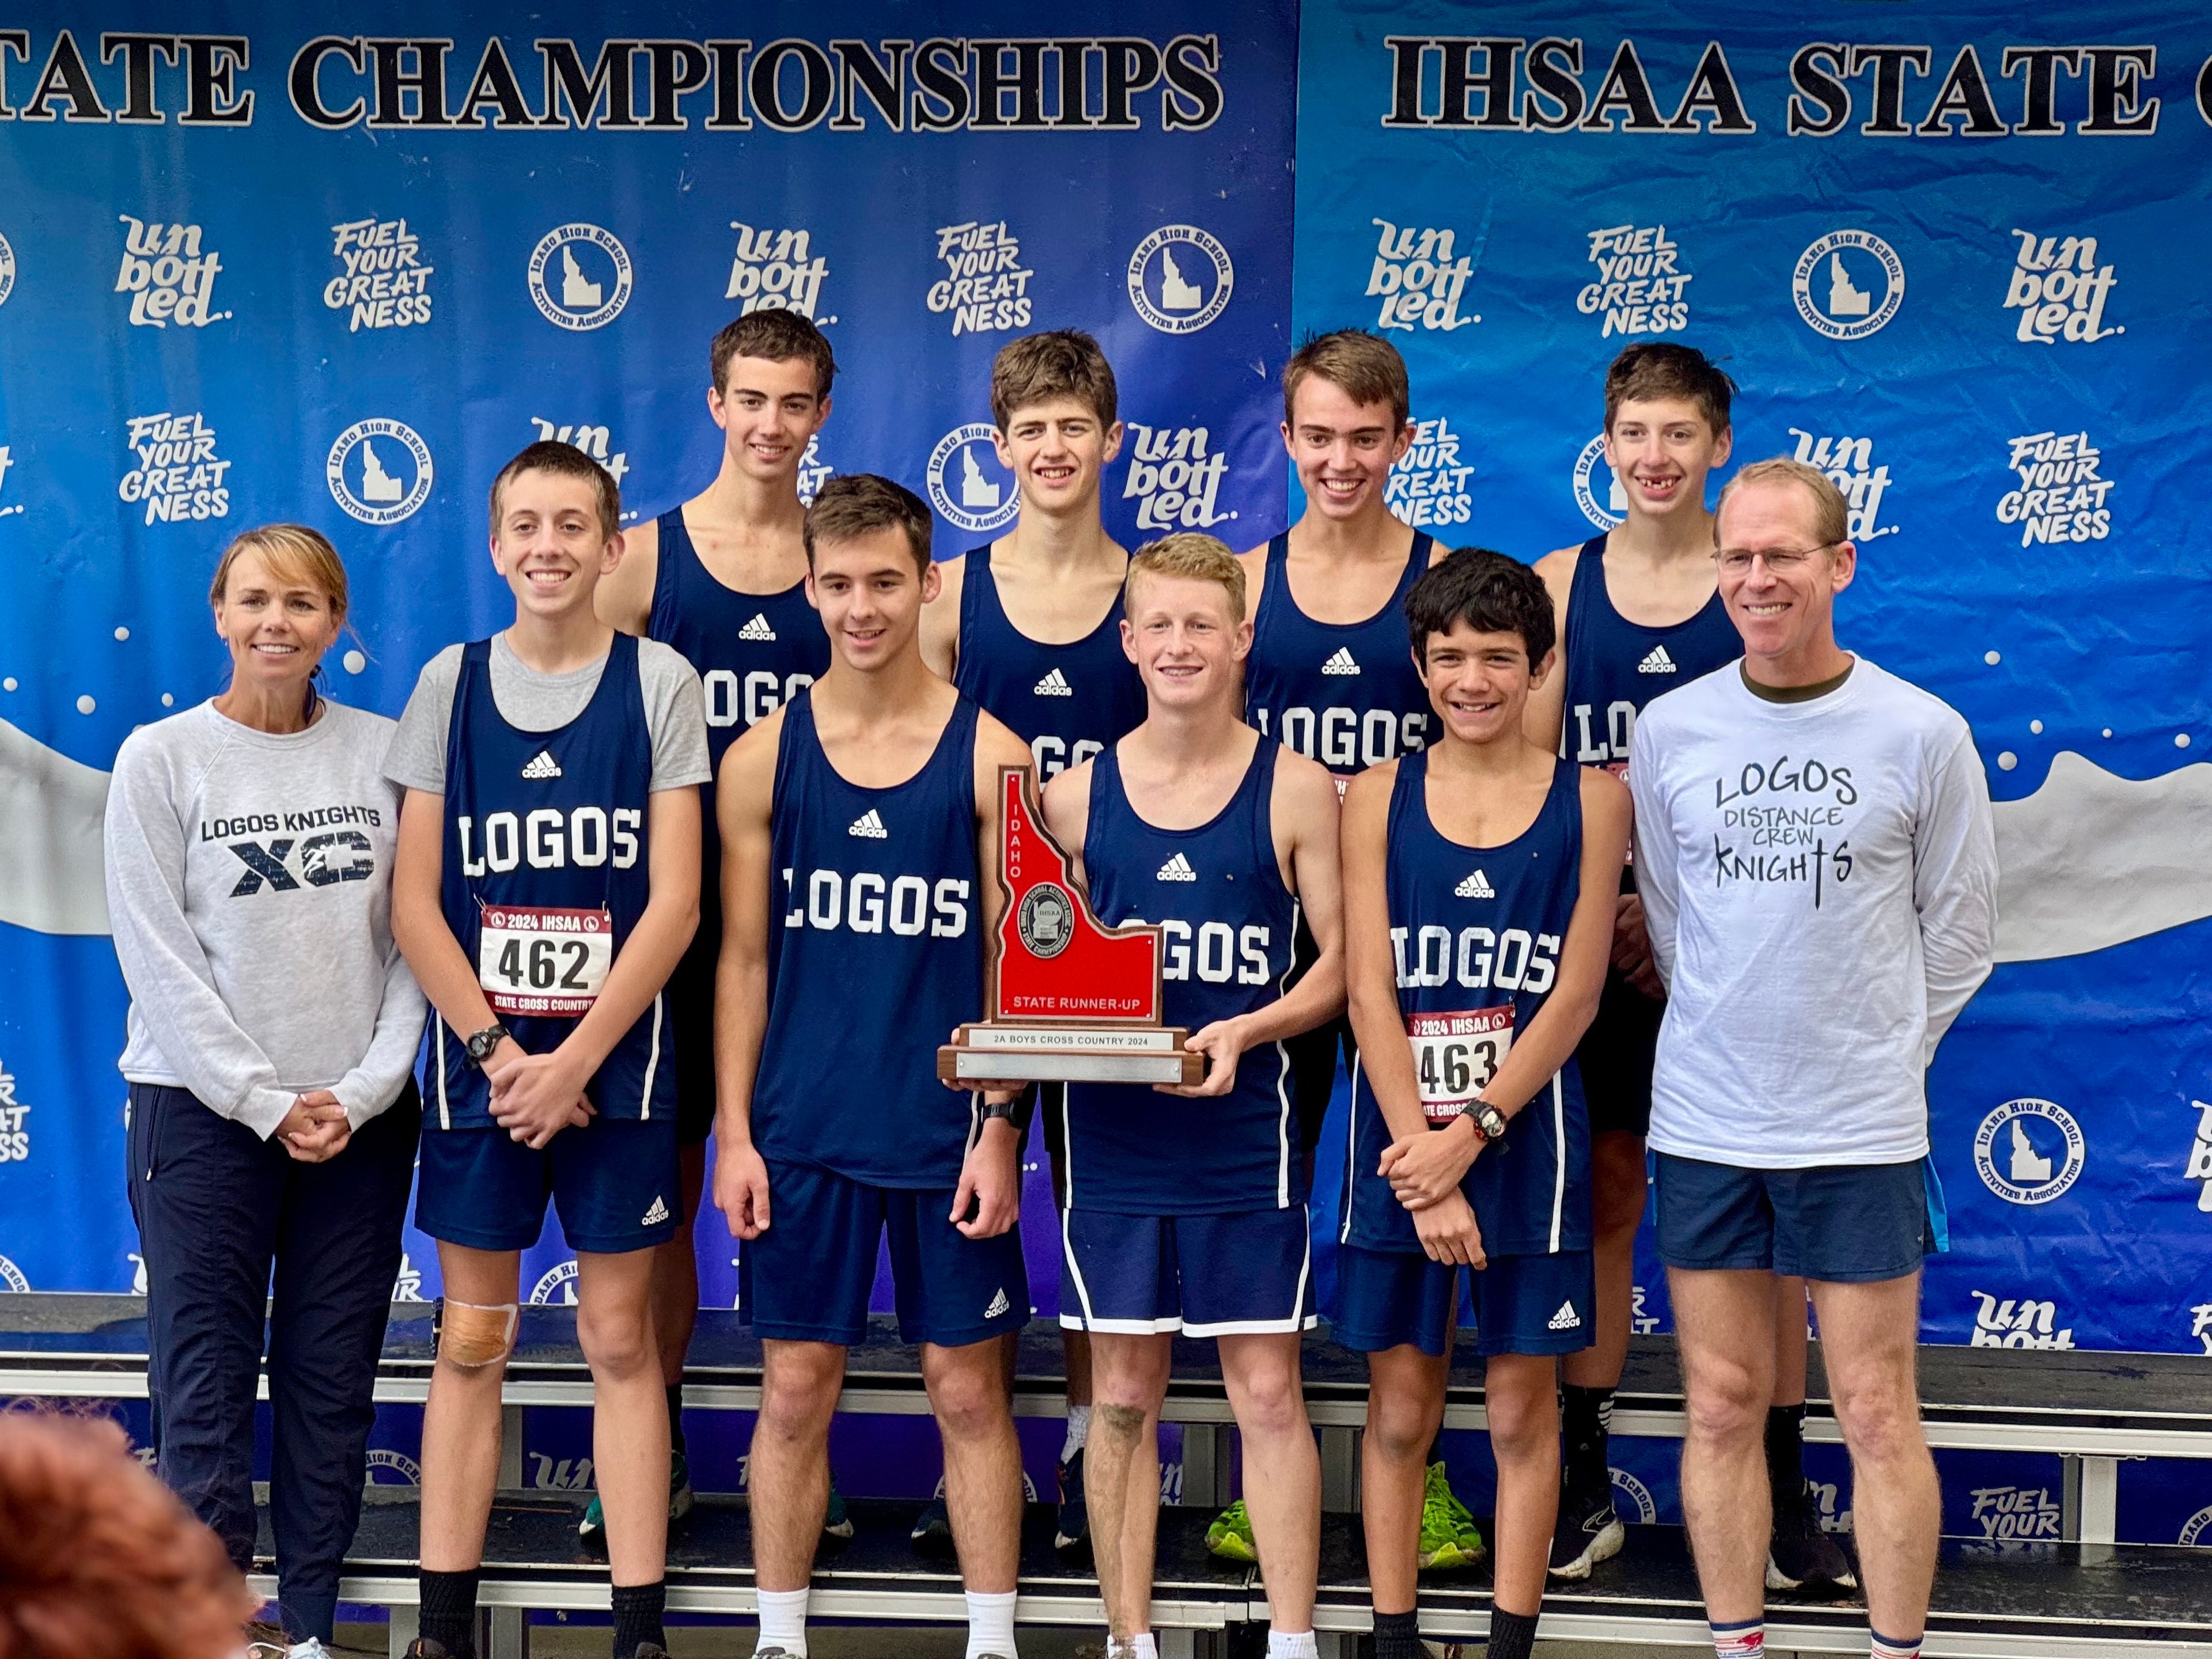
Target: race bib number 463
<point x="544" y="961"/>
<point x="1456" y="1056"/>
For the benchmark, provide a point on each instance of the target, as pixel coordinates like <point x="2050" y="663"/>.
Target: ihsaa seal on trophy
<point x="1070" y="999"/>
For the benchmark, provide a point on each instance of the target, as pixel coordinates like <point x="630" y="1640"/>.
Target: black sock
<point x="1512" y="1635"/>
<point x="1398" y="1636"/>
<point x="1785" y="1453"/>
<point x="638" y="1608"/>
<point x="449" y="1610"/>
<point x="1585" y="1418"/>
<point x="675" y="1417"/>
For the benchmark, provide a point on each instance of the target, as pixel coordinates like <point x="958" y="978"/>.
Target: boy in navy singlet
<point x="1328" y="674"/>
<point x="859" y="824"/>
<point x="1478" y="878"/>
<point x="1028" y="628"/>
<point x="1640" y="614"/>
<point x="723" y="579"/>
<point x="1185" y="1206"/>
<point x="546" y="883"/>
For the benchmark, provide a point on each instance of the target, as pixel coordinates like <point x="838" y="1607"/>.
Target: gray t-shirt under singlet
<point x="675" y="712"/>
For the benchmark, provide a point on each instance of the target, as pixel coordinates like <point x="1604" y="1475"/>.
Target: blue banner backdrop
<point x="261" y="273"/>
<point x="258" y="273"/>
<point x="1957" y="265"/>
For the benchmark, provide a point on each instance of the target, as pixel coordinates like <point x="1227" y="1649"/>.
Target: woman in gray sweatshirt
<point x="271" y="1055"/>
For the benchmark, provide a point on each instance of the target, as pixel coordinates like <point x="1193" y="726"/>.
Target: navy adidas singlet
<point x="1217" y="894"/>
<point x="544" y="875"/>
<point x="875" y="954"/>
<point x="1615" y="666"/>
<point x="1066" y="702"/>
<point x="754" y="651"/>
<point x="1344" y="693"/>
<point x="1476" y="932"/>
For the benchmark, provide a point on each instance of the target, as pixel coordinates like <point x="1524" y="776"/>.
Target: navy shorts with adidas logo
<point x="1250" y="1273"/>
<point x="808" y="1277"/>
<point x="613" y="1181"/>
<point x="1534" y="1304"/>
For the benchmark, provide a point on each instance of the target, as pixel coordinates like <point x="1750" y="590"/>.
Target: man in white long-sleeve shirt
<point x="1814" y="849"/>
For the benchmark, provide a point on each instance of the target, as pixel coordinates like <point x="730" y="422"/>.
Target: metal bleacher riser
<point x="2092" y="1596"/>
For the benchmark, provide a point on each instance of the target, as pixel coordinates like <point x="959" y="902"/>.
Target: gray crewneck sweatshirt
<point x="249" y="882"/>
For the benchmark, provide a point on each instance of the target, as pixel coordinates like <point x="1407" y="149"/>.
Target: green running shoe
<point x="1449" y="1538"/>
<point x="1230" y="1537"/>
<point x="592" y="1529"/>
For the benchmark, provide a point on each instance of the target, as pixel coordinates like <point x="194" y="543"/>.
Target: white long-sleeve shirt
<point x="249" y="883"/>
<point x="1820" y="880"/>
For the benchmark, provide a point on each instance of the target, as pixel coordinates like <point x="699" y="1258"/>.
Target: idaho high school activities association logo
<point x="387" y="1468"/>
<point x="378" y="471"/>
<point x="6" y="270"/>
<point x="2198" y="1526"/>
<point x="580" y="276"/>
<point x="1180" y="279"/>
<point x="1590" y="466"/>
<point x="2029" y="1151"/>
<point x="556" y="1287"/>
<point x="11" y="1276"/>
<point x="1848" y="284"/>
<point x="971" y="488"/>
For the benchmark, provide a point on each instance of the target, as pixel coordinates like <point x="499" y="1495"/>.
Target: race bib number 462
<point x="544" y="961"/>
<point x="1456" y="1056"/>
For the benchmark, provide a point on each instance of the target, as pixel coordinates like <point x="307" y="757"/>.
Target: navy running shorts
<point x="1534" y="1304"/>
<point x="1844" y="1223"/>
<point x="613" y="1181"/>
<point x="807" y="1279"/>
<point x="1204" y="1275"/>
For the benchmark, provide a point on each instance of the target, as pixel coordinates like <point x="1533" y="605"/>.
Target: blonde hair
<point x="1831" y="513"/>
<point x="1193" y="555"/>
<point x="294" y="554"/>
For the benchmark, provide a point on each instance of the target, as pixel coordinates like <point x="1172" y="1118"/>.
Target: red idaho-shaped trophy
<point x="1070" y="999"/>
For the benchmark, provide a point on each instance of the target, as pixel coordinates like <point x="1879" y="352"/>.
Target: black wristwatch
<point x="1489" y="1121"/>
<point x="1002" y="1110"/>
<point x="480" y="1045"/>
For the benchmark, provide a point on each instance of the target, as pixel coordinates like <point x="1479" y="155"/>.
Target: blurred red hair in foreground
<point x="97" y="1558"/>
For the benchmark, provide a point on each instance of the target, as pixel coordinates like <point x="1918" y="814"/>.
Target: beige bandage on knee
<point x="475" y="1336"/>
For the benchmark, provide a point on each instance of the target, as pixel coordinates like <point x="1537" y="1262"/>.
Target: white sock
<point x="1079" y="1430"/>
<point x="1286" y="1644"/>
<point x="783" y="1622"/>
<point x="991" y="1625"/>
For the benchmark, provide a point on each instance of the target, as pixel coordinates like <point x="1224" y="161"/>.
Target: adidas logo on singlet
<point x="757" y="629"/>
<point x="1341" y="663"/>
<point x="1176" y="869"/>
<point x="1566" y="1319"/>
<point x="1475" y="886"/>
<point x="869" y="827"/>
<point x="541" y="766"/>
<point x="656" y="1215"/>
<point x="1054" y="684"/>
<point x="999" y="1305"/>
<point x="1656" y="661"/>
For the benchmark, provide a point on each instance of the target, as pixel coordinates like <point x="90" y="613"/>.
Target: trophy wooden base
<point x="991" y="1054"/>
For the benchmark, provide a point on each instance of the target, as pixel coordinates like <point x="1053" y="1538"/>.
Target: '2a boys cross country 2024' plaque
<point x="1070" y="999"/>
